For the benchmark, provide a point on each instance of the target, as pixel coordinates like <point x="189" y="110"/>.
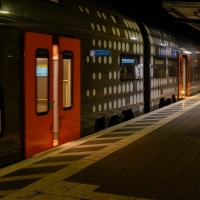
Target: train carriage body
<point x="62" y="73"/>
<point x="72" y="68"/>
<point x="172" y="64"/>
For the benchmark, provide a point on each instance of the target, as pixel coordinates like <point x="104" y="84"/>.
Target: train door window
<point x="130" y="68"/>
<point x="67" y="79"/>
<point x="172" y="66"/>
<point x="159" y="67"/>
<point x="42" y="79"/>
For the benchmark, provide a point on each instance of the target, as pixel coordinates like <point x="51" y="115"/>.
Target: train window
<point x="42" y="79"/>
<point x="172" y="66"/>
<point x="159" y="67"/>
<point x="67" y="79"/>
<point x="196" y="73"/>
<point x="130" y="68"/>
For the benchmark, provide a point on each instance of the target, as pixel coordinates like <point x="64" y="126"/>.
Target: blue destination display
<point x="99" y="52"/>
<point x="168" y="52"/>
<point x="128" y="60"/>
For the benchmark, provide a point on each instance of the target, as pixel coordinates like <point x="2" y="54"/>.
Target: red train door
<point x="66" y="90"/>
<point x="38" y="93"/>
<point x="69" y="93"/>
<point x="51" y="92"/>
<point x="188" y="76"/>
<point x="184" y="76"/>
<point x="180" y="76"/>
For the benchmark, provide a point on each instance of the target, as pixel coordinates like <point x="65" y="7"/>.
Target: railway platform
<point x="154" y="156"/>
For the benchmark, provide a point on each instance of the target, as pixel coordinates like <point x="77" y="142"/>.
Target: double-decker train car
<point x="174" y="67"/>
<point x="72" y="68"/>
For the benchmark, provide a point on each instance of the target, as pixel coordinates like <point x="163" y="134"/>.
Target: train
<point x="69" y="69"/>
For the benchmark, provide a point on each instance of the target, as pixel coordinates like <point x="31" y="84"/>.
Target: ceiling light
<point x="187" y="52"/>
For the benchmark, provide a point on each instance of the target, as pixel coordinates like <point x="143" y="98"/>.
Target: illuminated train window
<point x="173" y="67"/>
<point x="67" y="80"/>
<point x="42" y="80"/>
<point x="159" y="67"/>
<point x="129" y="67"/>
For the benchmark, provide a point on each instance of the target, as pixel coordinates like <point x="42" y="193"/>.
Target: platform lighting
<point x="187" y="52"/>
<point x="4" y="12"/>
<point x="183" y="93"/>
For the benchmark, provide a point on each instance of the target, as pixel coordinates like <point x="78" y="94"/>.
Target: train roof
<point x="179" y="42"/>
<point x="80" y="17"/>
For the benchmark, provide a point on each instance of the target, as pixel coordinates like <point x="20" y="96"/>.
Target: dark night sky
<point x="152" y="12"/>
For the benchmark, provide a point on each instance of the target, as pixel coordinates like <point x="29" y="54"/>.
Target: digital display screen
<point x="167" y="51"/>
<point x="128" y="61"/>
<point x="99" y="52"/>
<point x="42" y="56"/>
<point x="41" y="70"/>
